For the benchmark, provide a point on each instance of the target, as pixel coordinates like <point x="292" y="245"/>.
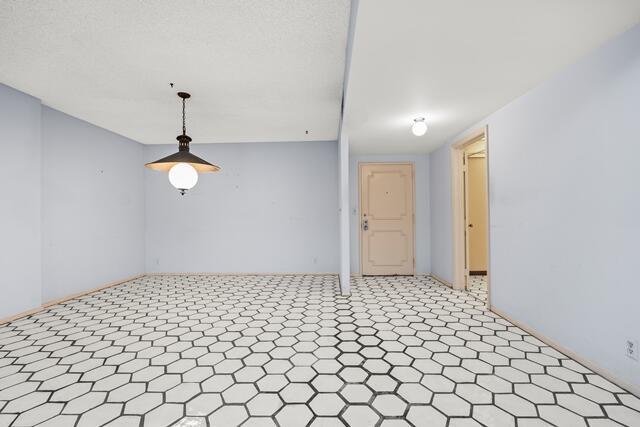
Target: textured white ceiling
<point x="258" y="70"/>
<point x="456" y="61"/>
<point x="268" y="70"/>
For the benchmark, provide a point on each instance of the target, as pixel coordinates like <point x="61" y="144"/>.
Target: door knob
<point x="365" y="224"/>
<point x="470" y="225"/>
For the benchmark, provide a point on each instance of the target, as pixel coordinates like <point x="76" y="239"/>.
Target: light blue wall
<point x="564" y="187"/>
<point x="422" y="200"/>
<point x="441" y="222"/>
<point x="20" y="202"/>
<point x="345" y="216"/>
<point x="272" y="208"/>
<point x="72" y="212"/>
<point x="92" y="206"/>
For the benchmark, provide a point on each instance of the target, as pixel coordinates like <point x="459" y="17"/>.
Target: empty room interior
<point x="320" y="213"/>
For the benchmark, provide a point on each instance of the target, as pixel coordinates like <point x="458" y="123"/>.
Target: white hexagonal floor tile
<point x="327" y="404"/>
<point x="290" y="350"/>
<point x="264" y="404"/>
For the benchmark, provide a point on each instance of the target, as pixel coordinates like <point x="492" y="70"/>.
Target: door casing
<point x="413" y="210"/>
<point x="458" y="221"/>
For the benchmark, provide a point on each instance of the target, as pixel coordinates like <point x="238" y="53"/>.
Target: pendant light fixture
<point x="183" y="167"/>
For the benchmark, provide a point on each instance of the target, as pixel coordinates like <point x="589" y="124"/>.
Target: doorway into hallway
<point x="471" y="215"/>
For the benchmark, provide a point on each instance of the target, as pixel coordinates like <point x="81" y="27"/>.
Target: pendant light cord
<point x="184" y="123"/>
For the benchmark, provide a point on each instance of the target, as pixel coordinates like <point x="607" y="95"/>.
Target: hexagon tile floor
<point x="289" y="351"/>
<point x="477" y="287"/>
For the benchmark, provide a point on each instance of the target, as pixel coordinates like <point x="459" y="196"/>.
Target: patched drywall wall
<point x="20" y="261"/>
<point x="92" y="206"/>
<point x="564" y="206"/>
<point x="273" y="208"/>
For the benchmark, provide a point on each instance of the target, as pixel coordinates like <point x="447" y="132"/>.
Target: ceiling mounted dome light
<point x="419" y="126"/>
<point x="183" y="167"/>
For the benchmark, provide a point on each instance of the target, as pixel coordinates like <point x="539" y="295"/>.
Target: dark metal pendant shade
<point x="183" y="155"/>
<point x="166" y="163"/>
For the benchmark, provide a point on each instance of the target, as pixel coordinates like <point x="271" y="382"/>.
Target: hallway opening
<point x="471" y="215"/>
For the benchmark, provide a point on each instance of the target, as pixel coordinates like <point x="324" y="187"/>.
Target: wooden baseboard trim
<point x="48" y="304"/>
<point x="584" y="362"/>
<point x="437" y="279"/>
<point x="90" y="291"/>
<point x="21" y="315"/>
<point x="239" y="274"/>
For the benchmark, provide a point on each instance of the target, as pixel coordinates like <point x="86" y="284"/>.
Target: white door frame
<point x="413" y="208"/>
<point x="458" y="211"/>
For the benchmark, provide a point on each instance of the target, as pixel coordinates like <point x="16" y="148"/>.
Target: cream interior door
<point x="386" y="219"/>
<point x="477" y="209"/>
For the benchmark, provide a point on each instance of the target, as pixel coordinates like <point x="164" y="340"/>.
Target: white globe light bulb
<point x="183" y="176"/>
<point x="419" y="127"/>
